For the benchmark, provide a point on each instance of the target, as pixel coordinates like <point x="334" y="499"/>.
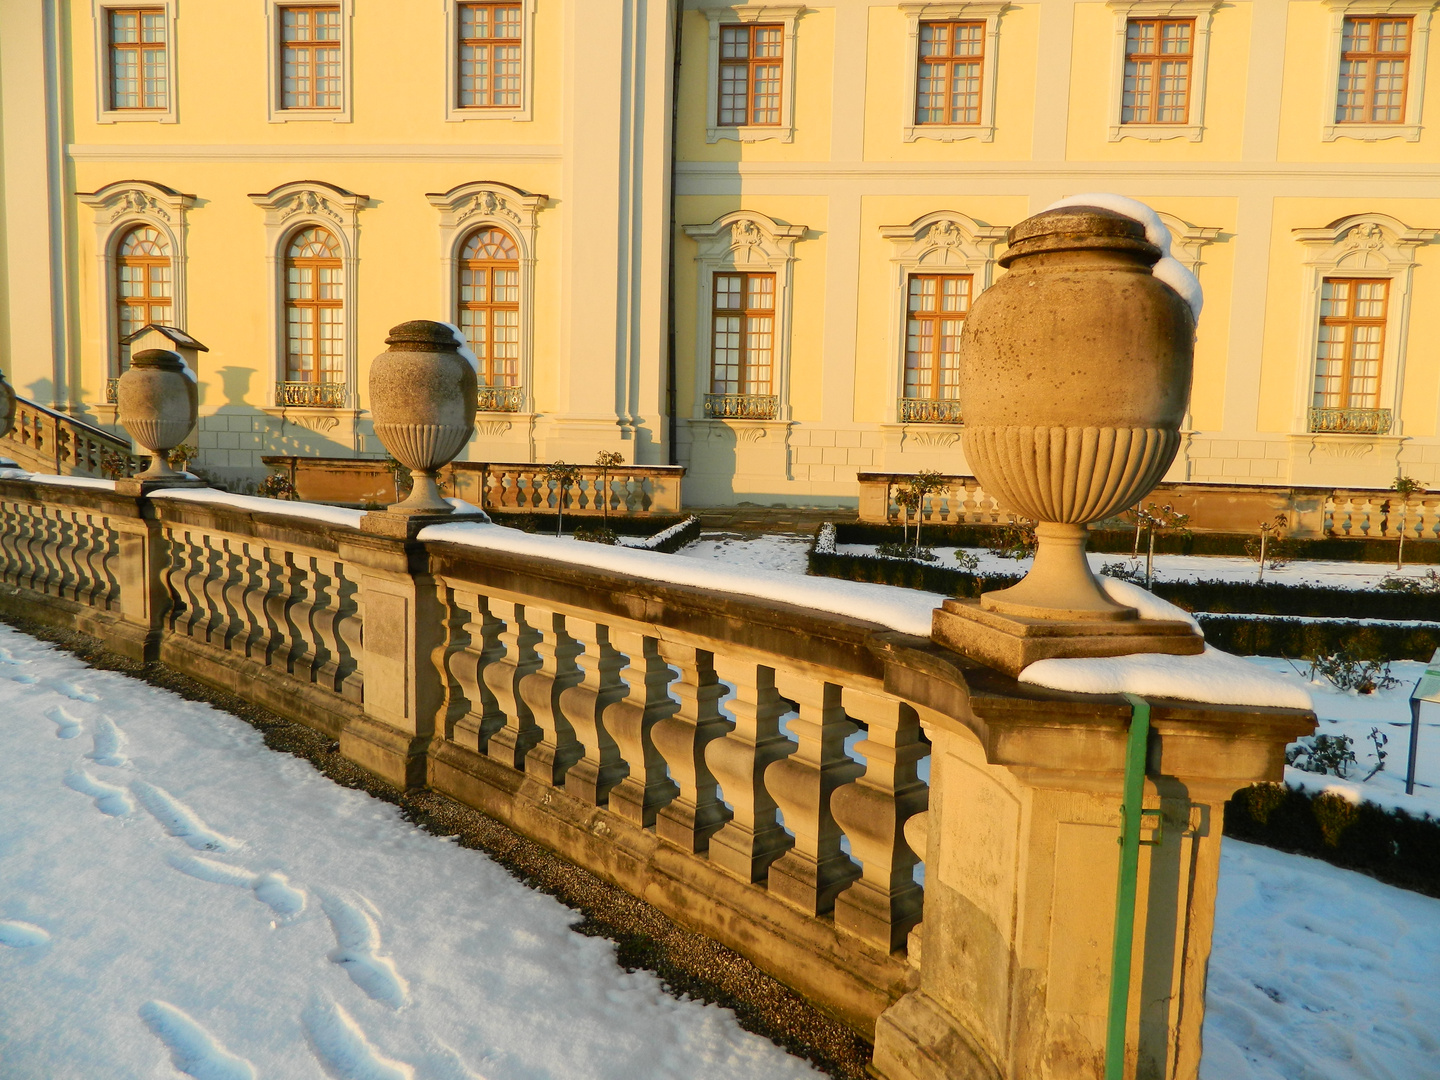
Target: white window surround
<point x="1125" y="10"/>
<point x="734" y="15"/>
<point x="916" y="13"/>
<point x="457" y="113"/>
<point x="1187" y="246"/>
<point x="942" y="242"/>
<point x="117" y="208"/>
<point x="1409" y="128"/>
<point x="288" y="209"/>
<point x="1361" y="245"/>
<point x="743" y="240"/>
<point x="103" y="113"/>
<point x="467" y="207"/>
<point x="276" y="113"/>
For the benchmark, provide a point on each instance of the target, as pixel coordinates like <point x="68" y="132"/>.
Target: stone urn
<point x="158" y="402"/>
<point x="423" y="399"/>
<point x="1075" y="375"/>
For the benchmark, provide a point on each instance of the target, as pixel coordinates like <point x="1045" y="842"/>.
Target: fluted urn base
<point x="1060" y="584"/>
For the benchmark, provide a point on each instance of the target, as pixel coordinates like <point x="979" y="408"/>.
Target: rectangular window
<point x="750" y="67"/>
<point x="1374" y="65"/>
<point x="489" y="72"/>
<point x="139" y="64"/>
<point x="948" y="79"/>
<point x="1158" y="54"/>
<point x="742" y="356"/>
<point x="1352" y="343"/>
<point x="935" y="315"/>
<point x="311" y="76"/>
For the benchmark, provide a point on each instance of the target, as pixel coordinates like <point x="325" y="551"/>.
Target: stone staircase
<point x="46" y="441"/>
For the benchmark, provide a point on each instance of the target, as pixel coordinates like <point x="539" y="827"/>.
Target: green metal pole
<point x="1134" y="791"/>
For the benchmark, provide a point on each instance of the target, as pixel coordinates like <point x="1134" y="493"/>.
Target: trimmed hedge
<point x="1389" y="845"/>
<point x="1262" y="636"/>
<point x="1122" y="541"/>
<point x="622" y="524"/>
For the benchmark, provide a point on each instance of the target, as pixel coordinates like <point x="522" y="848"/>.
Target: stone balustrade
<point x="52" y="442"/>
<point x="690" y="745"/>
<point x="634" y="490"/>
<point x="1311" y="512"/>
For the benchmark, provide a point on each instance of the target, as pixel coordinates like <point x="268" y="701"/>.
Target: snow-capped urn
<point x="1075" y="376"/>
<point x="158" y="403"/>
<point x="423" y="397"/>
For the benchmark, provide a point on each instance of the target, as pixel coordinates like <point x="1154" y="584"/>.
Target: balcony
<point x="308" y="395"/>
<point x="929" y="411"/>
<point x="742" y="406"/>
<point x="1351" y="421"/>
<point x="112" y="391"/>
<point x="501" y="398"/>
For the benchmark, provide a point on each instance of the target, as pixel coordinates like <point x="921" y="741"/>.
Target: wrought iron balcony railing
<point x="501" y="398"/>
<point x="742" y="406"/>
<point x="929" y="411"/>
<point x="112" y="391"/>
<point x="1352" y="421"/>
<point x="325" y="395"/>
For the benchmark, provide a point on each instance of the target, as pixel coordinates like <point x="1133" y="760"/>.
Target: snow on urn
<point x="1075" y="375"/>
<point x="423" y="399"/>
<point x="158" y="402"/>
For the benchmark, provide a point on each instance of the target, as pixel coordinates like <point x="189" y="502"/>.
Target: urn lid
<point x="421" y="335"/>
<point x="161" y="359"/>
<point x="1079" y="228"/>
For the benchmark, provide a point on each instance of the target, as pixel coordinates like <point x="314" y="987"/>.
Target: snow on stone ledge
<point x="905" y="610"/>
<point x="1169" y="269"/>
<point x="58" y="481"/>
<point x="328" y="515"/>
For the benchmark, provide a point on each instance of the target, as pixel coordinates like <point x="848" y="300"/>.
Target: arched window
<point x="489" y="292"/>
<point x="314" y="308"/>
<point x="143" y="290"/>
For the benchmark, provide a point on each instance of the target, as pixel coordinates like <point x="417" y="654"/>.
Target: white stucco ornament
<point x="1169" y="269"/>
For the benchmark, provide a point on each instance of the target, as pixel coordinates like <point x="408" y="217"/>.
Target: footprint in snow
<point x="271" y="888"/>
<point x="23" y="680"/>
<point x="70" y="690"/>
<point x="179" y="820"/>
<point x="193" y="1050"/>
<point x="109" y="742"/>
<point x="7" y="657"/>
<point x="342" y="1048"/>
<point x="109" y="799"/>
<point x="66" y="726"/>
<point x="21" y="935"/>
<point x="358" y="952"/>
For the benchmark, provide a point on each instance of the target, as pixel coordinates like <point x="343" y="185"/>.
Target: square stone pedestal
<point x="1010" y="643"/>
<point x="142" y="485"/>
<point x="403" y="526"/>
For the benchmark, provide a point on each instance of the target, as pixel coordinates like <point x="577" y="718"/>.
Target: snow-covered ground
<point x="177" y="899"/>
<point x="1336" y="575"/>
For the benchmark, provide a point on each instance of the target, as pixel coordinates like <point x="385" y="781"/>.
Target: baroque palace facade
<point x="737" y="237"/>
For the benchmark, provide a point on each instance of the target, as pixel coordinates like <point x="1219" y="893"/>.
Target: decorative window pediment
<point x="1376" y="248"/>
<point x="118" y="208"/>
<point x="1201" y="12"/>
<point x="1188" y="242"/>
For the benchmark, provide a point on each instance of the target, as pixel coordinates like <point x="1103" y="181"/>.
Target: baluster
<point x="815" y="869"/>
<point x="249" y="601"/>
<point x="885" y="903"/>
<point x="600" y="768"/>
<point x="349" y="634"/>
<point x="217" y="619"/>
<point x="277" y="597"/>
<point x="8" y="536"/>
<point x="752" y="839"/>
<point x="630" y="720"/>
<point x="322" y="623"/>
<point x="551" y="758"/>
<point x="518" y="736"/>
<point x="48" y="572"/>
<point x="301" y="658"/>
<point x="88" y="533"/>
<point x="696" y="812"/>
<point x="466" y="666"/>
<point x="197" y="611"/>
<point x="67" y="530"/>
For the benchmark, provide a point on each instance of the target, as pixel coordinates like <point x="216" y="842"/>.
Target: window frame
<point x="783" y="15"/>
<point x="1159" y="58"/>
<point x="1419" y="13"/>
<point x="916" y="13"/>
<point x="1351" y="322"/>
<point x="276" y="112"/>
<point x="117" y="264"/>
<point x="936" y="317"/>
<point x="457" y="113"/>
<point x="746" y="313"/>
<point x="104" y="113"/>
<point x="118" y="208"/>
<point x="490" y="305"/>
<point x="1201" y="12"/>
<point x="315" y="303"/>
<point x="289" y="209"/>
<point x="1367" y="246"/>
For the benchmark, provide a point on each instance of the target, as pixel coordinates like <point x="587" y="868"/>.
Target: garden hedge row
<point x="622" y="524"/>
<point x="1122" y="541"/>
<point x="1389" y="845"/>
<point x="1292" y="637"/>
